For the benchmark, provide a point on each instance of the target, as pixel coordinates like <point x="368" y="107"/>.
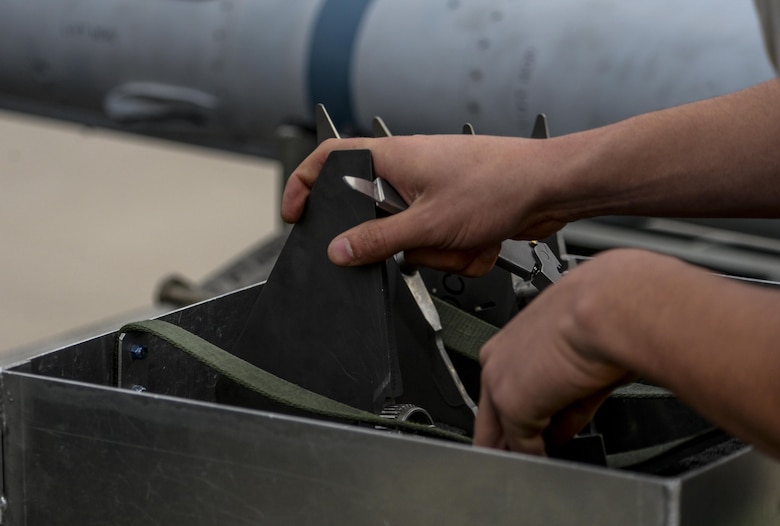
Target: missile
<point x="231" y="72"/>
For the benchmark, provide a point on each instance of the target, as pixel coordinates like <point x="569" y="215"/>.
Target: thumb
<point x="376" y="240"/>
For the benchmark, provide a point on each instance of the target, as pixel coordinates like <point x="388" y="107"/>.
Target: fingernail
<point x="340" y="251"/>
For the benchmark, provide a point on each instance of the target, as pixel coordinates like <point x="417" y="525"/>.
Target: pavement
<point x="91" y="221"/>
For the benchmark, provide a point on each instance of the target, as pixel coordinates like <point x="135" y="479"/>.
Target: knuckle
<point x="476" y="269"/>
<point x="485" y="353"/>
<point x="479" y="263"/>
<point x="459" y="262"/>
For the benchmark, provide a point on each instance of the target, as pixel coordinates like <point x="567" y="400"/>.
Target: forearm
<point x="712" y="341"/>
<point x="718" y="157"/>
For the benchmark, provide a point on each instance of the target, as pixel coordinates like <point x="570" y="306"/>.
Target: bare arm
<point x="718" y="157"/>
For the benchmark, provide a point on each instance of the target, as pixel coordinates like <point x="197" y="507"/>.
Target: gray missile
<point x="233" y="71"/>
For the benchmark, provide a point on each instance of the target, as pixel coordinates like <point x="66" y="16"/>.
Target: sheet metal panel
<point x="82" y="454"/>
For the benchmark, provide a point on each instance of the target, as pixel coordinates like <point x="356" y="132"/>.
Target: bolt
<point x="138" y="352"/>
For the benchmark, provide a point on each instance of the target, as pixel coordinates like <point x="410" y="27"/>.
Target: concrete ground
<point x="91" y="221"/>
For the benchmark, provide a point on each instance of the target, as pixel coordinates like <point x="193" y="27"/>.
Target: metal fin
<point x="540" y="131"/>
<point x="325" y="128"/>
<point x="380" y="128"/>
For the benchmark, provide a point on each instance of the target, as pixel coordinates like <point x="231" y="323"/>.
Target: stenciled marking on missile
<point x="330" y="57"/>
<point x="522" y="116"/>
<point x="95" y="33"/>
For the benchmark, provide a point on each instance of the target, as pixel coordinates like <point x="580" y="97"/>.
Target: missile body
<point x="235" y="70"/>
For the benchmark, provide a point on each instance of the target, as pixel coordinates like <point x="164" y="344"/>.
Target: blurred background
<point x="91" y="221"/>
<point x="96" y="211"/>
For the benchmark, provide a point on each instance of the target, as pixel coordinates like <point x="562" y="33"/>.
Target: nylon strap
<point x="463" y="333"/>
<point x="271" y="386"/>
<point x="466" y="334"/>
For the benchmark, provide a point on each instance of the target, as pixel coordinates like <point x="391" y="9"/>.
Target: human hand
<point x="543" y="378"/>
<point x="466" y="194"/>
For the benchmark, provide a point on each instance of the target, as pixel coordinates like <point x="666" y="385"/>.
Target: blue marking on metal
<point x="330" y="58"/>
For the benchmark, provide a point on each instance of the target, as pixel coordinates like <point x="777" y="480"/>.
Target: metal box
<point x="82" y="444"/>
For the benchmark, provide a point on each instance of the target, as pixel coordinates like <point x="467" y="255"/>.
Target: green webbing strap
<point x="466" y="334"/>
<point x="273" y="387"/>
<point x="463" y="333"/>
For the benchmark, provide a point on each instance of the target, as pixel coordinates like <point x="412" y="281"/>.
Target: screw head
<point x="138" y="352"/>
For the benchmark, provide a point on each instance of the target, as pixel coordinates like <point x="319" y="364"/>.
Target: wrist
<point x="580" y="180"/>
<point x="619" y="315"/>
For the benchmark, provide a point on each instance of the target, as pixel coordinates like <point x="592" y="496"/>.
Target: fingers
<point x="375" y="240"/>
<point x="523" y="440"/>
<point x="487" y="428"/>
<point x="296" y="192"/>
<point x="470" y="263"/>
<point x="300" y="182"/>
<point x="493" y="429"/>
<point x="380" y="239"/>
<point x="574" y="418"/>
